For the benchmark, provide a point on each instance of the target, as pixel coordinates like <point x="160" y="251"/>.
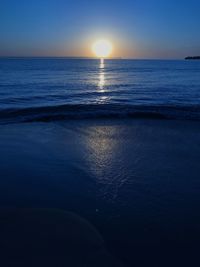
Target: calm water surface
<point x="136" y="181"/>
<point x="84" y="88"/>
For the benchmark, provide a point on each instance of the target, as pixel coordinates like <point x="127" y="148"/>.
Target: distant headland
<point x="193" y="58"/>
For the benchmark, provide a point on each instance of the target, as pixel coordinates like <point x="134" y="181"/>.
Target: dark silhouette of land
<point x="193" y="58"/>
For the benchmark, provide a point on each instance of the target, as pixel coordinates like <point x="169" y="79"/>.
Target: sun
<point x="102" y="48"/>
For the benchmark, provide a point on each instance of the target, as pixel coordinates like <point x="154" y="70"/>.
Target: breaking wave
<point x="98" y="111"/>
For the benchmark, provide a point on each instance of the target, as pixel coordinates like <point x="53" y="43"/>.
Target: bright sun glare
<point x="102" y="48"/>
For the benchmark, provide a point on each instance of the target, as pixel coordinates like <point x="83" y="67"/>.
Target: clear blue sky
<point x="137" y="28"/>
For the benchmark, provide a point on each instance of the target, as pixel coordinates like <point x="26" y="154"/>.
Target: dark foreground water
<point x="69" y="143"/>
<point x="136" y="181"/>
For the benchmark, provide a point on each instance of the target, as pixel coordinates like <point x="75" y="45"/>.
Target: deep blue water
<point x="47" y="89"/>
<point x="136" y="181"/>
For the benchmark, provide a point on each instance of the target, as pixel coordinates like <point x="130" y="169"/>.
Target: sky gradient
<point x="137" y="28"/>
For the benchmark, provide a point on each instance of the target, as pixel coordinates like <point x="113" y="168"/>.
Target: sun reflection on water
<point x="102" y="63"/>
<point x="101" y="76"/>
<point x="101" y="82"/>
<point x="102" y="159"/>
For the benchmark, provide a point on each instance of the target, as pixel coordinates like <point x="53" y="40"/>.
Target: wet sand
<point x="136" y="181"/>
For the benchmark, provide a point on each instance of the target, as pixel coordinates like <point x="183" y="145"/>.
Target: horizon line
<point x="81" y="57"/>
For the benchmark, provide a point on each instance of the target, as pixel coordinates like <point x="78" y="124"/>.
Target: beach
<point x="136" y="181"/>
<point x="99" y="133"/>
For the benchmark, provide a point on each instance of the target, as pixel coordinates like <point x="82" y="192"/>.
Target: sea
<point x="114" y="142"/>
<point x="45" y="89"/>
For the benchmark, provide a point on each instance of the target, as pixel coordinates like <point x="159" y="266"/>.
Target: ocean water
<point x="136" y="181"/>
<point x="52" y="89"/>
